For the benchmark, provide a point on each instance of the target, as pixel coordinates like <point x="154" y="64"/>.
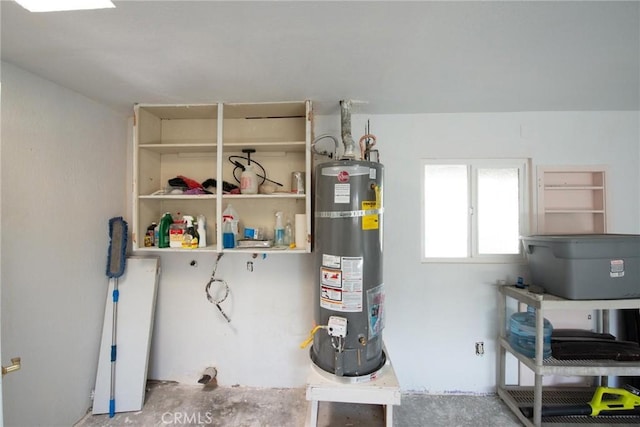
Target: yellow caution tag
<point x="369" y="222"/>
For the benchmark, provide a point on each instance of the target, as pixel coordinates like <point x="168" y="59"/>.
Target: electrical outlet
<point x="479" y="348"/>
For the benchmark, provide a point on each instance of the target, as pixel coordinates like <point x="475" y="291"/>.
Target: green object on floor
<point x="605" y="401"/>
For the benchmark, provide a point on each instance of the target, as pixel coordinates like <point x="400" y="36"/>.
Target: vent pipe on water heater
<point x="349" y="289"/>
<point x="345" y="127"/>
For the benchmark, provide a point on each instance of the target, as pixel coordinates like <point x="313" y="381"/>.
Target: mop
<point x="116" y="260"/>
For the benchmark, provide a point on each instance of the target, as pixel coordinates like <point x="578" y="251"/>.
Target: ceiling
<point x="398" y="57"/>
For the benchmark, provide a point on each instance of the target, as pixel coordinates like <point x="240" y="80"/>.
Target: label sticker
<point x="353" y="170"/>
<point x="331" y="278"/>
<point x="369" y="222"/>
<point x="616" y="268"/>
<point x="331" y="261"/>
<point x="352" y="268"/>
<point x="342" y="193"/>
<point x="375" y="308"/>
<point x="331" y="296"/>
<point x="341" y="289"/>
<point x="372" y="173"/>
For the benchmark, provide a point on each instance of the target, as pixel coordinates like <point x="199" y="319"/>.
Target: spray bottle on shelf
<point x="248" y="181"/>
<point x="233" y="218"/>
<point x="202" y="231"/>
<point x="228" y="238"/>
<point x="278" y="235"/>
<point x="248" y="177"/>
<point x="288" y="233"/>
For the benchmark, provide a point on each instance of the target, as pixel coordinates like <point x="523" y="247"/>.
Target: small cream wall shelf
<point x="572" y="199"/>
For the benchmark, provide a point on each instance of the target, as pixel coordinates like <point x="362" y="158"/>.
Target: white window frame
<point x="524" y="168"/>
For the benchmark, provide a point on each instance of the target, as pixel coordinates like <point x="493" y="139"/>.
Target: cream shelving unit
<point x="572" y="199"/>
<point x="196" y="141"/>
<point x="520" y="396"/>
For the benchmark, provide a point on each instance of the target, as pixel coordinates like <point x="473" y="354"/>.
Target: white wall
<point x="63" y="177"/>
<point x="270" y="310"/>
<point x="63" y="154"/>
<point x="436" y="312"/>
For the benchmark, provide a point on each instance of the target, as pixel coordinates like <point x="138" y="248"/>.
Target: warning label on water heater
<point x="341" y="283"/>
<point x="341" y="193"/>
<point x="370" y="221"/>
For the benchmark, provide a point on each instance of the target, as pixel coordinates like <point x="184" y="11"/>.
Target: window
<point x="474" y="210"/>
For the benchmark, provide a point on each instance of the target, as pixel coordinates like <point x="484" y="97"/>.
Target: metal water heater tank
<point x="348" y="248"/>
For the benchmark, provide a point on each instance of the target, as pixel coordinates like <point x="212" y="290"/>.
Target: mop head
<point x="116" y="258"/>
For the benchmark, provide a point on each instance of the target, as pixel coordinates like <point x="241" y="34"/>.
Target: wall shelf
<point x="180" y="148"/>
<point x="572" y="199"/>
<point x="195" y="141"/>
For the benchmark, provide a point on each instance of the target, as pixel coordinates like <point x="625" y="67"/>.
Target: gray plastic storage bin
<point x="585" y="266"/>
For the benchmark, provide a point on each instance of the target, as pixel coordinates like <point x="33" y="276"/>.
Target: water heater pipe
<point x="345" y="123"/>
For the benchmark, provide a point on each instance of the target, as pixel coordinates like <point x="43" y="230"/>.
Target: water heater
<point x="348" y="246"/>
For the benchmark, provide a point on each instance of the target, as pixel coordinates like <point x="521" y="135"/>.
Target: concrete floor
<point x="170" y="403"/>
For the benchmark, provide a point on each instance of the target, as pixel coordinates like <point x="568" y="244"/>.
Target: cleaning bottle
<point x="288" y="233"/>
<point x="202" y="231"/>
<point x="190" y="236"/>
<point x="231" y="215"/>
<point x="278" y="235"/>
<point x="248" y="181"/>
<point x="228" y="238"/>
<point x="150" y="235"/>
<point x="163" y="230"/>
<point x="176" y="232"/>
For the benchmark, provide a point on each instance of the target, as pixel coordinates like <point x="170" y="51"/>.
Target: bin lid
<point x="586" y="245"/>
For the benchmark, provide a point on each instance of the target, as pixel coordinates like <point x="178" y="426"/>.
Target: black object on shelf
<point x="631" y="332"/>
<point x="580" y="333"/>
<point x="581" y="344"/>
<point x="594" y="349"/>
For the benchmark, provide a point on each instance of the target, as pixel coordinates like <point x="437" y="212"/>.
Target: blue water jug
<point x="522" y="333"/>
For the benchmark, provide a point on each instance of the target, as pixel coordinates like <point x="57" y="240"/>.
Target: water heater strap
<point x="349" y="214"/>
